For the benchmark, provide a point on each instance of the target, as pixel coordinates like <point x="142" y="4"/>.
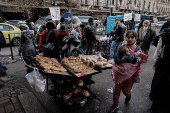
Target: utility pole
<point x="144" y="6"/>
<point x="117" y="7"/>
<point x="153" y="7"/>
<point x="139" y="5"/>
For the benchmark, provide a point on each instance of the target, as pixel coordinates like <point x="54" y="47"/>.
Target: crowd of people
<point x="126" y="57"/>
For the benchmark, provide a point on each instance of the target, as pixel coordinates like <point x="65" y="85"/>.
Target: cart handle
<point x="25" y="62"/>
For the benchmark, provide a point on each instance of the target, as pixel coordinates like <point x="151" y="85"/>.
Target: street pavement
<point x="139" y="103"/>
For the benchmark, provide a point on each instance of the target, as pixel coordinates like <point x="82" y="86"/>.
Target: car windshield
<point x="161" y="22"/>
<point x="38" y="23"/>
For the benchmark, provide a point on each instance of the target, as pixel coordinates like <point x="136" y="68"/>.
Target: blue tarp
<point x="111" y="21"/>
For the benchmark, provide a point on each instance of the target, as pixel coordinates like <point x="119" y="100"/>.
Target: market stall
<point x="71" y="78"/>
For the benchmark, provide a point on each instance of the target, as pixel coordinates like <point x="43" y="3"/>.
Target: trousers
<point x="90" y="47"/>
<point x="113" y="49"/>
<point x="125" y="89"/>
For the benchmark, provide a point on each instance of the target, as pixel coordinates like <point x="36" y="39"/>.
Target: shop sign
<point x="127" y="16"/>
<point x="137" y="17"/>
<point x="55" y="13"/>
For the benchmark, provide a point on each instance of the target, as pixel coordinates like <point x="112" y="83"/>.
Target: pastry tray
<point x="68" y="86"/>
<point x="103" y="68"/>
<point x="98" y="69"/>
<point x="52" y="74"/>
<point x="77" y="96"/>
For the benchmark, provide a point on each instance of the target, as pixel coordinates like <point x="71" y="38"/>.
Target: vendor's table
<point x="56" y="92"/>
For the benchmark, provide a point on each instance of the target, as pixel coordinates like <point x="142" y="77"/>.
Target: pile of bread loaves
<point x="50" y="65"/>
<point x="96" y="60"/>
<point x="77" y="65"/>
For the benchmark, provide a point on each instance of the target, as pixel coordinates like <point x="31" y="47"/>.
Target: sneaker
<point x="127" y="99"/>
<point x="113" y="108"/>
<point x="5" y="68"/>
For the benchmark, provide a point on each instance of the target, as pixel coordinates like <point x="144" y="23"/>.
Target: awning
<point x="117" y="12"/>
<point x="102" y="11"/>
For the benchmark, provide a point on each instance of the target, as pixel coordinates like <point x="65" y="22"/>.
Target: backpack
<point x="2" y="40"/>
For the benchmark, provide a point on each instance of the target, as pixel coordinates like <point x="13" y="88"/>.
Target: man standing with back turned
<point x="118" y="37"/>
<point x="89" y="32"/>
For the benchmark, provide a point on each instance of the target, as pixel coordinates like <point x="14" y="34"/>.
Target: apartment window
<point x="106" y="2"/>
<point x="84" y="1"/>
<point x="113" y="2"/>
<point x="95" y="2"/>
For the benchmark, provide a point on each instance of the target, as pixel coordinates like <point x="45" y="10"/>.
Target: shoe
<point x="3" y="74"/>
<point x="1" y="85"/>
<point x="5" y="68"/>
<point x="113" y="108"/>
<point x="127" y="99"/>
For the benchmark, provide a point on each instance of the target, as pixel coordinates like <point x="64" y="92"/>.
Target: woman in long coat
<point x="160" y="88"/>
<point x="52" y="38"/>
<point x="27" y="47"/>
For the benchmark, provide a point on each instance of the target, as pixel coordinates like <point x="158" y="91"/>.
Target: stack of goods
<point x="77" y="91"/>
<point x="99" y="61"/>
<point x="78" y="66"/>
<point x="50" y="65"/>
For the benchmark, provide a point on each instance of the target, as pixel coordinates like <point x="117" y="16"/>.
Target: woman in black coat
<point x="52" y="38"/>
<point x="160" y="88"/>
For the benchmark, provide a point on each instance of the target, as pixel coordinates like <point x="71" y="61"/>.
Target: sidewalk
<point x="9" y="102"/>
<point x="16" y="98"/>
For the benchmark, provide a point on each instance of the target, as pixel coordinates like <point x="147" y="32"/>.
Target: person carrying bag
<point x="52" y="48"/>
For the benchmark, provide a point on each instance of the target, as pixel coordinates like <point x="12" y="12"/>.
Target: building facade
<point x="96" y="8"/>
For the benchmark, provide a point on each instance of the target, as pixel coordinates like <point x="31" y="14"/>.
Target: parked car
<point x="15" y="33"/>
<point x="160" y="23"/>
<point x="16" y="23"/>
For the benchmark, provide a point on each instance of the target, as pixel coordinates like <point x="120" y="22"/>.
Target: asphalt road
<point x="139" y="103"/>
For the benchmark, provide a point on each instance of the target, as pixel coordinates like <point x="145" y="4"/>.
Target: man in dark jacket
<point x="119" y="31"/>
<point x="89" y="32"/>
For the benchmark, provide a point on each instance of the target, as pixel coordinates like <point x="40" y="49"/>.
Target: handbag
<point x="48" y="46"/>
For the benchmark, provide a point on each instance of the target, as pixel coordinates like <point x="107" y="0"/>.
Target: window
<point x="84" y="1"/>
<point x="106" y="2"/>
<point x="113" y="2"/>
<point x="6" y="28"/>
<point x="11" y="28"/>
<point x="95" y="2"/>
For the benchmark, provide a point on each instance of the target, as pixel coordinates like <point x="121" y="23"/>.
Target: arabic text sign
<point x="137" y="17"/>
<point x="55" y="13"/>
<point x="127" y="16"/>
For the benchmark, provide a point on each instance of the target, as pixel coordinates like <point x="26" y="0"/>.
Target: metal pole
<point x="11" y="47"/>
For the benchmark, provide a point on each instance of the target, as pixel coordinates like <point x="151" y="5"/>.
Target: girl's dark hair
<point x="62" y="27"/>
<point x="133" y="33"/>
<point x="50" y="25"/>
<point x="90" y="20"/>
<point x="122" y="50"/>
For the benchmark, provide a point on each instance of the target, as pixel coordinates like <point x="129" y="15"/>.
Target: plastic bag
<point x="36" y="80"/>
<point x="29" y="78"/>
<point x="39" y="81"/>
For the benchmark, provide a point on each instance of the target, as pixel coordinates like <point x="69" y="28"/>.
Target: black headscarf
<point x="50" y="25"/>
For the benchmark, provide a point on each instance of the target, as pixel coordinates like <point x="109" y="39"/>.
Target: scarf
<point x="131" y="48"/>
<point x="127" y="71"/>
